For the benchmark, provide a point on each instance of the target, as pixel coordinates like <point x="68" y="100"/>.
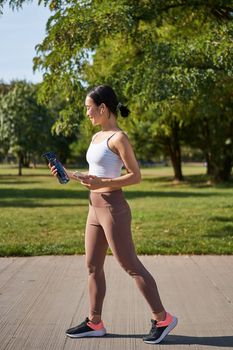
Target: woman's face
<point x="93" y="111"/>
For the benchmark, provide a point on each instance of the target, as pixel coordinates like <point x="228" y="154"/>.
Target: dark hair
<point x="105" y="94"/>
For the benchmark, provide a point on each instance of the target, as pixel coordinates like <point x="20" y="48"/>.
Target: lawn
<point x="39" y="216"/>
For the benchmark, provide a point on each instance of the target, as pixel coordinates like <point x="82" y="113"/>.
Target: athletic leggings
<point x="109" y="225"/>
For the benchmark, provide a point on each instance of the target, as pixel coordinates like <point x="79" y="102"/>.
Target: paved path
<point x="42" y="296"/>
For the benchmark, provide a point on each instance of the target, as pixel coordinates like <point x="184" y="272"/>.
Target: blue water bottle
<point x="61" y="173"/>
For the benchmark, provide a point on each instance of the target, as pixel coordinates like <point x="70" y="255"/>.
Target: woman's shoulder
<point x="121" y="134"/>
<point x="120" y="137"/>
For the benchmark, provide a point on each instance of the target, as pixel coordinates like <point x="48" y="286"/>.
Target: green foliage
<point x="24" y="124"/>
<point x="167" y="59"/>
<point x="214" y="127"/>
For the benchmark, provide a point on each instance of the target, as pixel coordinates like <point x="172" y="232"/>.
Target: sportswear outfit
<point x="109" y="225"/>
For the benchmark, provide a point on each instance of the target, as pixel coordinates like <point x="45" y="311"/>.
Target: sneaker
<point x="159" y="330"/>
<point x="87" y="329"/>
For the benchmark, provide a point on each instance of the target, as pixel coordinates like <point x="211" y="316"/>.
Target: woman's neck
<point x="110" y="124"/>
<point x="109" y="127"/>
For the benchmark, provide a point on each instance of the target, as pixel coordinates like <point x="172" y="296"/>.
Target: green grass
<point x="39" y="216"/>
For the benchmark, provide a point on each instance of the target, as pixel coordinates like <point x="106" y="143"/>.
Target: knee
<point x="93" y="269"/>
<point x="131" y="268"/>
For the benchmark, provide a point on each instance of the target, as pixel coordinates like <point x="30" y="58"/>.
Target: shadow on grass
<point x="73" y="193"/>
<point x="30" y="204"/>
<point x="223" y="232"/>
<point x="23" y="180"/>
<point x="18" y="178"/>
<point x="19" y="183"/>
<point x="28" y="197"/>
<point x="172" y="194"/>
<point x="196" y="181"/>
<point x="31" y="197"/>
<point x="222" y="219"/>
<point x="42" y="193"/>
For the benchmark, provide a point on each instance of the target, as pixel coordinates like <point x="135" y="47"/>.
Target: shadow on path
<point x="220" y="341"/>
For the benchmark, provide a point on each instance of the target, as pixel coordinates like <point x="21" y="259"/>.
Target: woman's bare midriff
<point x="106" y="189"/>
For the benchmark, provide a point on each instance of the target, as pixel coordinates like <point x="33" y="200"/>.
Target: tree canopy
<point x="170" y="60"/>
<point x="26" y="126"/>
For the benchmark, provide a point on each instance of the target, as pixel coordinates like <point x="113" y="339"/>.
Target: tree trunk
<point x="26" y="160"/>
<point x="20" y="164"/>
<point x="210" y="167"/>
<point x="175" y="153"/>
<point x="223" y="173"/>
<point x="218" y="154"/>
<point x="175" y="156"/>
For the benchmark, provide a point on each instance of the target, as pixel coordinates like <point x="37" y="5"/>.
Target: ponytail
<point x="124" y="111"/>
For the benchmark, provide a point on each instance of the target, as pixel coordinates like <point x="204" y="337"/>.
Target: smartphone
<point x="78" y="175"/>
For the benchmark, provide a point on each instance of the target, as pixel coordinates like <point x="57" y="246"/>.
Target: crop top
<point x="103" y="162"/>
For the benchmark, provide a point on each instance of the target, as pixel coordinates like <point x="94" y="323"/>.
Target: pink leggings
<point x="109" y="225"/>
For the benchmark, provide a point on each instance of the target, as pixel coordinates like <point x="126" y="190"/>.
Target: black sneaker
<point x="87" y="329"/>
<point x="159" y="330"/>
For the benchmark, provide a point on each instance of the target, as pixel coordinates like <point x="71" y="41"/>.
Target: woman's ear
<point x="102" y="108"/>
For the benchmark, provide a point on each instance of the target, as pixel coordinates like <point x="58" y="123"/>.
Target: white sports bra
<point x="103" y="162"/>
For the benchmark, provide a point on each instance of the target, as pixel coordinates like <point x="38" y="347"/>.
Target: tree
<point x="214" y="127"/>
<point x="64" y="126"/>
<point x="27" y="128"/>
<point x="25" y="125"/>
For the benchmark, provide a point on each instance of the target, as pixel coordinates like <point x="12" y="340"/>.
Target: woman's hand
<point x="53" y="170"/>
<point x="92" y="182"/>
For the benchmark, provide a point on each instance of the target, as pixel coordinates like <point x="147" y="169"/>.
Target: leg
<point x="116" y="222"/>
<point x="96" y="247"/>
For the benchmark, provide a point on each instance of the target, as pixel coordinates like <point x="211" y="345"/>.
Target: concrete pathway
<point x="40" y="297"/>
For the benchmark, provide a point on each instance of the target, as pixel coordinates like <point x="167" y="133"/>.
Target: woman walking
<point x="109" y="218"/>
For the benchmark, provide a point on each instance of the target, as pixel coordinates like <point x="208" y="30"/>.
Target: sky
<point x="20" y="32"/>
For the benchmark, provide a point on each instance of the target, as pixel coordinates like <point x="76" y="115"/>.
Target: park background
<point x="171" y="63"/>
